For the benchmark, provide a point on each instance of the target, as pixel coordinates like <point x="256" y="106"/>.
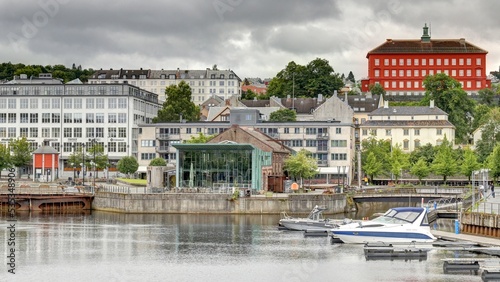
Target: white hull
<point x="392" y="227"/>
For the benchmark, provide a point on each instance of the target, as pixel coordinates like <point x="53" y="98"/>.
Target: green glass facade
<point x="220" y="165"/>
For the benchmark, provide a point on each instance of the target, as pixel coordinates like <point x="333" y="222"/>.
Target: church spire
<point x="426" y="37"/>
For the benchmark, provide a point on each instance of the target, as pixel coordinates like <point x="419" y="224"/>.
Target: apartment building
<point x="66" y="116"/>
<point x="408" y="127"/>
<point x="203" y="83"/>
<point x="401" y="65"/>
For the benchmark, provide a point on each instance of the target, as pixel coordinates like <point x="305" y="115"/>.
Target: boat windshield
<point x="395" y="217"/>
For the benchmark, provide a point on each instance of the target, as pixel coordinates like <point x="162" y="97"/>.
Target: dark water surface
<point x="118" y="247"/>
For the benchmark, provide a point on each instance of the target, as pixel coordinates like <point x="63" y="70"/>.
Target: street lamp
<point x="93" y="143"/>
<point x="74" y="171"/>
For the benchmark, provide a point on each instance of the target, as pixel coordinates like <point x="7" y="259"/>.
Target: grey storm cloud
<point x="252" y="37"/>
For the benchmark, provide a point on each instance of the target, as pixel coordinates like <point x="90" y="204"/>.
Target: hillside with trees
<point x="9" y="70"/>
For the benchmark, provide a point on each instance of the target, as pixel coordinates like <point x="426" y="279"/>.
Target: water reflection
<point x="137" y="247"/>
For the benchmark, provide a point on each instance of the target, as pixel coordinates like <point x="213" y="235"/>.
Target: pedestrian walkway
<point x="490" y="204"/>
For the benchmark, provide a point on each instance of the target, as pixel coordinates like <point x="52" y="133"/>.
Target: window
<point x="415" y="62"/>
<point x="296" y="130"/>
<point x="45" y="103"/>
<point x="24" y="131"/>
<point x="68" y="118"/>
<point x="386" y="73"/>
<point x="122" y="132"/>
<point x="446" y="62"/>
<point x="415" y="72"/>
<point x="478" y="61"/>
<point x="377" y="73"/>
<point x="393" y="73"/>
<point x="148" y="143"/>
<point x="311" y="131"/>
<point x="469" y="72"/>
<point x="99" y="132"/>
<point x="453" y="62"/>
<point x="338" y="130"/>
<point x="311" y="143"/>
<point x="122" y="103"/>
<point x="33" y="103"/>
<point x="24" y="117"/>
<point x="416" y="84"/>
<point x="68" y="103"/>
<point x="386" y="84"/>
<point x="77" y="132"/>
<point x="408" y="62"/>
<point x="431" y="62"/>
<point x="77" y="103"/>
<point x="68" y="132"/>
<point x="453" y="72"/>
<point x="56" y="103"/>
<point x="417" y="143"/>
<point x="23" y="103"/>
<point x="339" y="157"/>
<point x="90" y="118"/>
<point x="112" y="103"/>
<point x="364" y="132"/>
<point x="89" y="103"/>
<point x="460" y="72"/>
<point x="89" y="132"/>
<point x="148" y="156"/>
<point x="111" y="118"/>
<point x="341" y="143"/>
<point x="406" y="132"/>
<point x="386" y="62"/>
<point x="99" y="103"/>
<point x="461" y="61"/>
<point x="478" y="72"/>
<point x="438" y="62"/>
<point x="377" y="62"/>
<point x="122" y="118"/>
<point x="111" y="132"/>
<point x="478" y="84"/>
<point x="12" y="103"/>
<point x="406" y="144"/>
<point x="286" y="130"/>
<point x="417" y="132"/>
<point x="99" y="118"/>
<point x="401" y="73"/>
<point x="77" y="118"/>
<point x="56" y="118"/>
<point x="424" y="62"/>
<point x="387" y="132"/>
<point x="122" y="147"/>
<point x="469" y="61"/>
<point x="439" y="132"/>
<point x="401" y="62"/>
<point x="56" y="132"/>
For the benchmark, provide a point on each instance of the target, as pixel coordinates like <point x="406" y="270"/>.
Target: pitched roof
<point x="407" y="111"/>
<point x="419" y="46"/>
<point x="407" y="123"/>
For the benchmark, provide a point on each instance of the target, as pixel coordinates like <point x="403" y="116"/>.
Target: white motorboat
<point x="314" y="222"/>
<point x="397" y="225"/>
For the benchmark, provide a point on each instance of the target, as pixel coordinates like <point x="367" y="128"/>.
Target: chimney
<point x="386" y="104"/>
<point x="431" y="104"/>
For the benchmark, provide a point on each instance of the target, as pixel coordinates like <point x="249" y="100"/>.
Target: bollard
<point x="457" y="226"/>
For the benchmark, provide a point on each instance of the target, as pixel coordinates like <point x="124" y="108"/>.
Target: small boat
<point x="314" y="222"/>
<point x="397" y="225"/>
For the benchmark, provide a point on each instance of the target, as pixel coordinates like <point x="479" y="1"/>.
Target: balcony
<point x="162" y="149"/>
<point x="162" y="136"/>
<point x="322" y="163"/>
<point x="322" y="136"/>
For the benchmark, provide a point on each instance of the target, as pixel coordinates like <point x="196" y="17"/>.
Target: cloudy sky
<point x="255" y="38"/>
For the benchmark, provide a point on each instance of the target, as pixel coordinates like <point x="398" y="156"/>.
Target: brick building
<point x="401" y="65"/>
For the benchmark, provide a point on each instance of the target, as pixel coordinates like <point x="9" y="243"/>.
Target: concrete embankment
<point x="216" y="203"/>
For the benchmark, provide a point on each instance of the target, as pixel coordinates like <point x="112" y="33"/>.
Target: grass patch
<point x="131" y="181"/>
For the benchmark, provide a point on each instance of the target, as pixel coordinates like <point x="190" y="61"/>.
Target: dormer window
<point x="163" y="76"/>
<point x="231" y="76"/>
<point x="212" y="76"/>
<point x="221" y="76"/>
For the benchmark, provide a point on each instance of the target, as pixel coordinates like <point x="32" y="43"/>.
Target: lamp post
<point x="93" y="143"/>
<point x="83" y="164"/>
<point x="74" y="171"/>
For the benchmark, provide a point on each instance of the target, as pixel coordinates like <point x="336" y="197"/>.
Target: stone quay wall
<point x="216" y="203"/>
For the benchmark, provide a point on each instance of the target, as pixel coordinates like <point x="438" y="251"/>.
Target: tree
<point x="350" y="77"/>
<point x="301" y="165"/>
<point x="486" y="96"/>
<point x="469" y="163"/>
<point x="283" y="115"/>
<point x="427" y="152"/>
<point x="377" y="89"/>
<point x="21" y="153"/>
<point x="372" y="167"/>
<point x="178" y="105"/>
<point x="493" y="162"/>
<point x="127" y="165"/>
<point x="248" y="95"/>
<point x="158" y="162"/>
<point x="398" y="160"/>
<point x="317" y="77"/>
<point x="445" y="164"/>
<point x="448" y="95"/>
<point x="481" y="116"/>
<point x="5" y="161"/>
<point x="420" y="169"/>
<point x="96" y="155"/>
<point x="490" y="134"/>
<point x="381" y="150"/>
<point x="201" y="138"/>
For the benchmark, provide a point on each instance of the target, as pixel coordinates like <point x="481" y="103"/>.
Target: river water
<point x="134" y="247"/>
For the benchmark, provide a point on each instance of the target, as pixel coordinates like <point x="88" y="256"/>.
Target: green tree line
<point x="9" y="70"/>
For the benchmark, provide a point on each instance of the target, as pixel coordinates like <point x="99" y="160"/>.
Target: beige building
<point x="203" y="83"/>
<point x="408" y="127"/>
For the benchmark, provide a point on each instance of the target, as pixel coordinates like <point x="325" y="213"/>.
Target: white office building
<point x="65" y="116"/>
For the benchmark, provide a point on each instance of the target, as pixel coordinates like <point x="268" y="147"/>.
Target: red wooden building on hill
<point x="400" y="66"/>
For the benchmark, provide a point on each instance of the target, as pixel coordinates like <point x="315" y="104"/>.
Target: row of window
<point x="431" y="61"/>
<point x="67" y="118"/>
<point x="162" y="76"/>
<point x="418" y="84"/>
<point x="406" y="132"/>
<point x="423" y="73"/>
<point x="68" y="103"/>
<point x="55" y="132"/>
<point x="112" y="147"/>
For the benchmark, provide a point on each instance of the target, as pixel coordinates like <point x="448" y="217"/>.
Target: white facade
<point x="203" y="83"/>
<point x="66" y="115"/>
<point x="331" y="143"/>
<point x="408" y="127"/>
